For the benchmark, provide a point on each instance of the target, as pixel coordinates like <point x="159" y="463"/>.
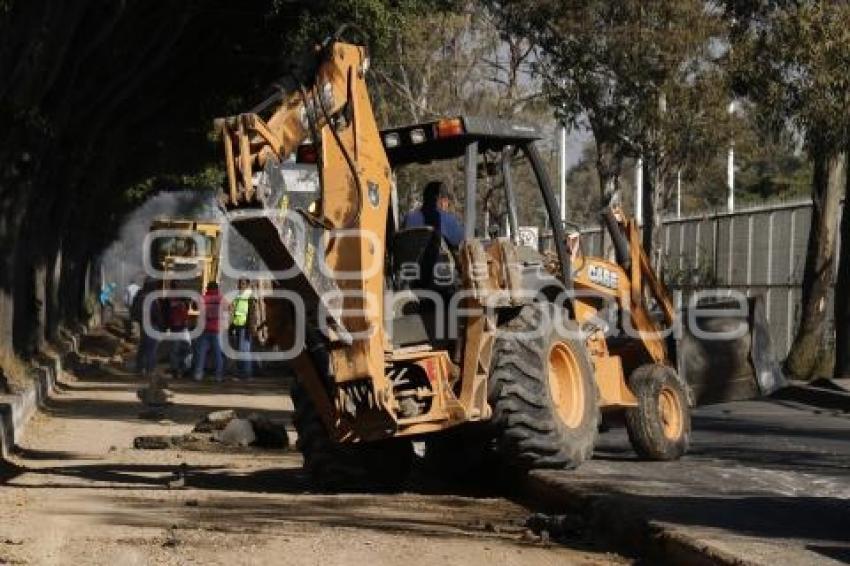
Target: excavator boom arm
<point x="249" y="139"/>
<point x="332" y="247"/>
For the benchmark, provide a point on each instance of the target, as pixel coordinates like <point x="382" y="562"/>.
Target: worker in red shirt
<point x="209" y="338"/>
<point x="178" y="328"/>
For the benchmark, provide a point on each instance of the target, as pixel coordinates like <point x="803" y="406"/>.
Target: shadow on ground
<point x="240" y="497"/>
<point x="777" y="517"/>
<point x="183" y="411"/>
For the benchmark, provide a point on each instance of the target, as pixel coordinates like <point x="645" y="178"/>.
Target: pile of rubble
<point x="225" y="428"/>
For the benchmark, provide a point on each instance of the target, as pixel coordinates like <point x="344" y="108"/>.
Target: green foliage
<point x="583" y="197"/>
<point x="791" y="60"/>
<point x="692" y="275"/>
<point x="651" y="79"/>
<point x="208" y="178"/>
<point x="380" y="20"/>
<point x="252" y="58"/>
<point x="768" y="167"/>
<point x="641" y="75"/>
<point x="451" y="62"/>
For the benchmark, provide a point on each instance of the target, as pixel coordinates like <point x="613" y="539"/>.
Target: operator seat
<point x="421" y="259"/>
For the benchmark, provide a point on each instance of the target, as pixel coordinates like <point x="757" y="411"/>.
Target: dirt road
<point x="78" y="493"/>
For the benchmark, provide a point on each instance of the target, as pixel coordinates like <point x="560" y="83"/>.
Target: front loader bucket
<point x="722" y="368"/>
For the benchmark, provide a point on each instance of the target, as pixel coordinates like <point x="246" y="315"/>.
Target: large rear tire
<point x="371" y="466"/>
<point x="542" y="392"/>
<point x="659" y="427"/>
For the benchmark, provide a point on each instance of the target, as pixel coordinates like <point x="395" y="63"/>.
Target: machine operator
<point x="434" y="212"/>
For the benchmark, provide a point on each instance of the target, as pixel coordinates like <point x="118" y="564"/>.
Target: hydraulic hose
<point x="351" y="165"/>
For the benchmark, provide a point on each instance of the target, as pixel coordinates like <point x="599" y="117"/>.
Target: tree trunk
<point x="828" y="183"/>
<point x="648" y="218"/>
<point x="607" y="169"/>
<point x="39" y="329"/>
<point x="605" y="248"/>
<point x="842" y="296"/>
<point x="32" y="264"/>
<point x="7" y="314"/>
<point x="52" y="306"/>
<point x="655" y="201"/>
<point x="7" y="304"/>
<point x="69" y="285"/>
<point x="23" y="338"/>
<point x="657" y="206"/>
<point x="10" y="225"/>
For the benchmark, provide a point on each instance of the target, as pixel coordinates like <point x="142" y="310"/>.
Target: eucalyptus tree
<point x="643" y="77"/>
<point x="791" y="59"/>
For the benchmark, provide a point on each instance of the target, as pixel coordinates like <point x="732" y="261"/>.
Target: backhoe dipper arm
<point x="342" y="265"/>
<point x="249" y="139"/>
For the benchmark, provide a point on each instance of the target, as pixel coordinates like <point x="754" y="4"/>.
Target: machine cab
<point x="500" y="196"/>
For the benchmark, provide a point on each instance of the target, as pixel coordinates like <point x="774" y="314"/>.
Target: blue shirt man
<point x="434" y="213"/>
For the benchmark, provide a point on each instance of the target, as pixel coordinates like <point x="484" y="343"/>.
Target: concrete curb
<point x="816" y="396"/>
<point x="17" y="409"/>
<point x="627" y="526"/>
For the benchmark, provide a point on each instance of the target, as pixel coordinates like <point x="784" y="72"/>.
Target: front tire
<point x="543" y="392"/>
<point x="659" y="427"/>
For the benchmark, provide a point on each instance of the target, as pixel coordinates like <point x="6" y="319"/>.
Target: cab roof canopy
<point x="448" y="138"/>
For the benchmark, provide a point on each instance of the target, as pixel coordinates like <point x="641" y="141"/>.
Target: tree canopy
<point x="103" y="102"/>
<point x="790" y="60"/>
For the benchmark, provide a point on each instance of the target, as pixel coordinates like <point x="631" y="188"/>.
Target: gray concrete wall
<point x="758" y="250"/>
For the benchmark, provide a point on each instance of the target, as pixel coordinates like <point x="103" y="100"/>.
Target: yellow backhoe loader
<point x="400" y="337"/>
<point x="185" y="255"/>
<point x="179" y="247"/>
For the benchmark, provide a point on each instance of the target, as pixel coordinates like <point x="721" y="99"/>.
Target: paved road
<point x="768" y="481"/>
<point x="79" y="494"/>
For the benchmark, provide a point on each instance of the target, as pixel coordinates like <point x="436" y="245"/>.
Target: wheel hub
<point x="671" y="413"/>
<point x="565" y="384"/>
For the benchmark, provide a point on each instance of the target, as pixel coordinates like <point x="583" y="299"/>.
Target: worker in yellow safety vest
<point x="240" y="328"/>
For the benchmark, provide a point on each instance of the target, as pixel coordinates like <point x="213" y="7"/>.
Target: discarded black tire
<point x="542" y="392"/>
<point x="659" y="427"/>
<point x="331" y="466"/>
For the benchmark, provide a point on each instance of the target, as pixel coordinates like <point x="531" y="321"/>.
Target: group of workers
<point x="169" y="313"/>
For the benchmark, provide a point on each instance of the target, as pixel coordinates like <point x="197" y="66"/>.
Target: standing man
<point x="105" y="300"/>
<point x="146" y="354"/>
<point x="129" y="296"/>
<point x="209" y="338"/>
<point x="178" y="326"/>
<point x="154" y="395"/>
<point x="240" y="329"/>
